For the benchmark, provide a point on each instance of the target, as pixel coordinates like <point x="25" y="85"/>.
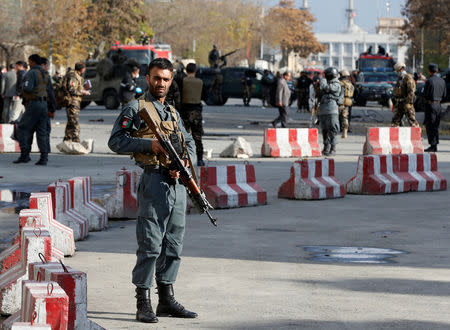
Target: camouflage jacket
<point x="75" y="87"/>
<point x="405" y="89"/>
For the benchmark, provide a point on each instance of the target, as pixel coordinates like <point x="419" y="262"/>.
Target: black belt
<point x="156" y="169"/>
<point x="41" y="98"/>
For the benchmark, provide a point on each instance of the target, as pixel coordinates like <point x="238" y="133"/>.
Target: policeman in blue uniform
<point x="35" y="88"/>
<point x="161" y="198"/>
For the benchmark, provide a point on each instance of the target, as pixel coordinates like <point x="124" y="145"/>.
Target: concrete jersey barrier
<point x="388" y="174"/>
<point x="231" y="186"/>
<point x="35" y="241"/>
<point x="312" y="179"/>
<point x="8" y="144"/>
<point x="63" y="242"/>
<point x="393" y="140"/>
<point x="291" y="142"/>
<point x="123" y="202"/>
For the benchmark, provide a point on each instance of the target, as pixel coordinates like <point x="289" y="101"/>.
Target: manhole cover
<point x="351" y="254"/>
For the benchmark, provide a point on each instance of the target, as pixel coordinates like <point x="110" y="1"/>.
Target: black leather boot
<point x="332" y="151"/>
<point x="168" y="306"/>
<point x="432" y="148"/>
<point x="326" y="150"/>
<point x="22" y="159"/>
<point x="43" y="160"/>
<point x="144" y="307"/>
<point x="200" y="161"/>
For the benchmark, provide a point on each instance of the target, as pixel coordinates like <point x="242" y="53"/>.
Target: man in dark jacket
<point x="434" y="91"/>
<point x="127" y="91"/>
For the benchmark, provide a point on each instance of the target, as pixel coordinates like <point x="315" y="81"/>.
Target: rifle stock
<point x="197" y="196"/>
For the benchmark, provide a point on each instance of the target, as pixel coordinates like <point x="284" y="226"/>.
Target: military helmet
<point x="344" y="73"/>
<point x="331" y="73"/>
<point x="398" y="66"/>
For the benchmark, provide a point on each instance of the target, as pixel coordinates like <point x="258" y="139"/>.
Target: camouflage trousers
<point x="343" y="117"/>
<point x="247" y="96"/>
<point x="400" y="111"/>
<point x="192" y="120"/>
<point x="303" y="100"/>
<point x="73" y="125"/>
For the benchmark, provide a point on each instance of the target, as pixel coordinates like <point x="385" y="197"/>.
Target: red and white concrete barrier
<point x="8" y="144"/>
<point x="393" y="140"/>
<point x="291" y="142"/>
<point x="74" y="284"/>
<point x="61" y="200"/>
<point x="81" y="189"/>
<point x="46" y="303"/>
<point x="63" y="243"/>
<point x="12" y="255"/>
<point x="34" y="241"/>
<point x="30" y="325"/>
<point x="312" y="179"/>
<point x="123" y="203"/>
<point x="231" y="186"/>
<point x="388" y="174"/>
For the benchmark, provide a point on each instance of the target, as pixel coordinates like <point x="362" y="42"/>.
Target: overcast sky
<point x="330" y="14"/>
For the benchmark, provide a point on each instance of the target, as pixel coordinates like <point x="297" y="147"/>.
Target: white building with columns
<point x="343" y="49"/>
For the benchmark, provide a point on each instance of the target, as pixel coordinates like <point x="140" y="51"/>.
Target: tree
<point x="430" y="18"/>
<point x="291" y="29"/>
<point x="11" y="41"/>
<point x="116" y="20"/>
<point x="63" y="34"/>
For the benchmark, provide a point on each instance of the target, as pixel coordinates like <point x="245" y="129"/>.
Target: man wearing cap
<point x="434" y="91"/>
<point x="404" y="91"/>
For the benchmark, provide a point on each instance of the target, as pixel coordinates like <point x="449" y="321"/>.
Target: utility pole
<point x="421" y="49"/>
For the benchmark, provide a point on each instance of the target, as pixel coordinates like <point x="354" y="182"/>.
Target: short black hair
<point x="432" y="67"/>
<point x="35" y="58"/>
<point x="44" y="60"/>
<point x="19" y="63"/>
<point x="134" y="68"/>
<point x="12" y="66"/>
<point x="161" y="63"/>
<point x="79" y="66"/>
<point x="191" y="68"/>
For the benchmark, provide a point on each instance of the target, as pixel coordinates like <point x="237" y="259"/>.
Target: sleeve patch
<point x="126" y="122"/>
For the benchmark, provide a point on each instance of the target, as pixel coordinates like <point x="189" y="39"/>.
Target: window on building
<point x="348" y="47"/>
<point x="336" y="48"/>
<point x="325" y="62"/>
<point x="360" y="48"/>
<point x="394" y="50"/>
<point x="336" y="61"/>
<point x="348" y="61"/>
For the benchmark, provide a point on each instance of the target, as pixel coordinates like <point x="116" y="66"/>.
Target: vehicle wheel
<point x="111" y="100"/>
<point x="84" y="104"/>
<point x="99" y="102"/>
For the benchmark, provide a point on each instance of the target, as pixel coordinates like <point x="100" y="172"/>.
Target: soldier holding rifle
<point x="151" y="131"/>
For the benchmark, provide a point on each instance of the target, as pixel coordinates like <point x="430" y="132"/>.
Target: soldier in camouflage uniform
<point x="404" y="97"/>
<point x="348" y="89"/>
<point x="191" y="109"/>
<point x="75" y="88"/>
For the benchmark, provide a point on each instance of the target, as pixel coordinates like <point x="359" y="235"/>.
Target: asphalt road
<point x="257" y="270"/>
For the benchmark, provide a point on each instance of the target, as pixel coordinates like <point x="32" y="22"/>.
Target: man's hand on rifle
<point x="174" y="174"/>
<point x="157" y="148"/>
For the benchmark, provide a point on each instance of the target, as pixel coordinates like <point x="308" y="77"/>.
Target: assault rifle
<point x="197" y="196"/>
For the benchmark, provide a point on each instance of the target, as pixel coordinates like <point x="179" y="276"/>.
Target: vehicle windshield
<point x="375" y="63"/>
<point x="142" y="56"/>
<point x="369" y="78"/>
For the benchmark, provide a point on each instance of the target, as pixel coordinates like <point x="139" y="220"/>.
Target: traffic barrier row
<point x="388" y="174"/>
<point x="123" y="202"/>
<point x="312" y="179"/>
<point x="291" y="142"/>
<point x="393" y="140"/>
<point x="7" y="142"/>
<point x="231" y="186"/>
<point x="34" y="241"/>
